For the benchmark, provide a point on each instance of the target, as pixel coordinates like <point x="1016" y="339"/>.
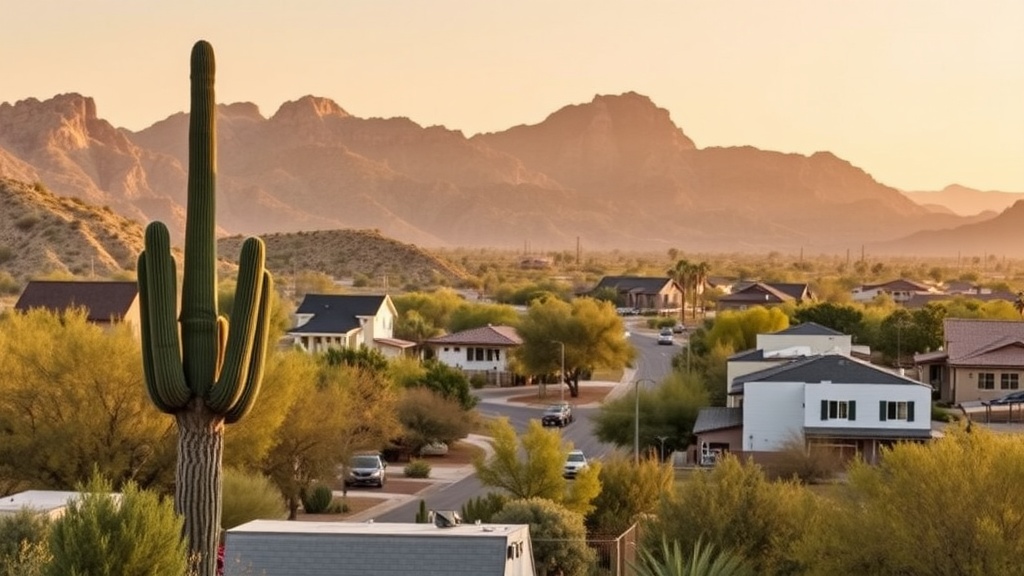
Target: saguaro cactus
<point x="197" y="367"/>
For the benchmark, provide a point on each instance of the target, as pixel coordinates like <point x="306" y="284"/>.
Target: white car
<point x="665" y="337"/>
<point x="575" y="462"/>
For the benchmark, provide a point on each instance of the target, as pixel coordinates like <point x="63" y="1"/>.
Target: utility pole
<point x="636" y="419"/>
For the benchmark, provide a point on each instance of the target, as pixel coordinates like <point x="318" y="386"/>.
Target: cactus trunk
<point x="197" y="492"/>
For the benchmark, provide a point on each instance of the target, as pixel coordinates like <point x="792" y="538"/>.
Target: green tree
<point x="88" y="383"/>
<point x="591" y="332"/>
<point x="669" y="410"/>
<point x="412" y="326"/>
<point x="249" y="496"/>
<point x="364" y="358"/>
<point x="434" y="308"/>
<point x="703" y="561"/>
<point x="557" y="536"/>
<point x="946" y="507"/>
<point x="842" y="318"/>
<point x="427" y="416"/>
<point x="449" y="382"/>
<point x="628" y="492"/>
<point x="470" y="316"/>
<point x="735" y="507"/>
<point x="739" y="329"/>
<point x="135" y="534"/>
<point x="538" y="473"/>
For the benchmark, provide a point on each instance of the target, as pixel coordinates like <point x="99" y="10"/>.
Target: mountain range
<point x="614" y="172"/>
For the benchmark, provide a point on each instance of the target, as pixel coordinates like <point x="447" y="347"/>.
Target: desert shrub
<point x="417" y="469"/>
<point x="6" y="253"/>
<point x="100" y="535"/>
<point x="318" y="499"/>
<point x="23" y="549"/>
<point x="483" y="508"/>
<point x="338" y="506"/>
<point x="477" y="381"/>
<point x="557" y="533"/>
<point x="806" y="464"/>
<point x="27" y="222"/>
<point x="8" y="285"/>
<point x="249" y="496"/>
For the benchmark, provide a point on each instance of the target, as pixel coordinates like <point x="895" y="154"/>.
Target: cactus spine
<point x="210" y="375"/>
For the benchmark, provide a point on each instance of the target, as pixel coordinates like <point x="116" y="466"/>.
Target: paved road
<point x="653" y="363"/>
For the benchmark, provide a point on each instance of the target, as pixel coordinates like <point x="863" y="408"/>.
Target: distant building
<point x="50" y="503"/>
<point x="484" y="351"/>
<point x="106" y="302"/>
<point x="659" y="294"/>
<point x="764" y="294"/>
<point x="325" y="321"/>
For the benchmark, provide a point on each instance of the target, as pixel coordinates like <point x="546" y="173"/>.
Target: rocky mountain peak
<point x="62" y="122"/>
<point x="308" y="109"/>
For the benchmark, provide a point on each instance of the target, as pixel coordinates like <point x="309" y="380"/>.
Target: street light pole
<point x="636" y="419"/>
<point x="662" y="440"/>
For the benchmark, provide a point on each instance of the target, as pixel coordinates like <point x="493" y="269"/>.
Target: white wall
<point x="742" y="368"/>
<point x="773" y="413"/>
<point x="455" y="356"/>
<point x="868" y="397"/>
<point x="818" y="344"/>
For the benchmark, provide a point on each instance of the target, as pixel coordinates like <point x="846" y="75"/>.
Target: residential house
<point x="659" y="294"/>
<point x="900" y="290"/>
<point x="105" y="302"/>
<point x="283" y="548"/>
<point x="980" y="360"/>
<point x="326" y="321"/>
<point x="479" y="351"/>
<point x="802" y="384"/>
<point x="764" y="294"/>
<point x="799" y="340"/>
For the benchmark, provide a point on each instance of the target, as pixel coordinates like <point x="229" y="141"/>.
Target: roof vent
<point x="447" y="519"/>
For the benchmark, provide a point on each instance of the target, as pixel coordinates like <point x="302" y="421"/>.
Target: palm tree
<point x="702" y="562"/>
<point x="700" y="271"/>
<point x="682" y="273"/>
<point x="1018" y="304"/>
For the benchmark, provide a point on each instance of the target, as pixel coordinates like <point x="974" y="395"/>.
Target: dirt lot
<point x="587" y="395"/>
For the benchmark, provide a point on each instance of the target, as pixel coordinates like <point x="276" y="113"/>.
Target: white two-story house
<point x="326" y="321"/>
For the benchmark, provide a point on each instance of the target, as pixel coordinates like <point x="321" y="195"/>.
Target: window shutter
<point x="910" y="411"/>
<point x="853" y="409"/>
<point x="881" y="411"/>
<point x="824" y="409"/>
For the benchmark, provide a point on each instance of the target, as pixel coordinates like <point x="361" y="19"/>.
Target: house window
<point x="479" y="354"/>
<point x="469" y="354"/>
<point x="986" y="381"/>
<point x="1009" y="381"/>
<point x="838" y="410"/>
<point x="888" y="410"/>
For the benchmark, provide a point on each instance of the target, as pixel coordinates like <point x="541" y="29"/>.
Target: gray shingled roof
<point x="810" y="329"/>
<point x="103" y="300"/>
<point x="834" y="368"/>
<point x="485" y="335"/>
<point x="752" y="355"/>
<point x="717" y="418"/>
<point x="642" y="284"/>
<point x="901" y="284"/>
<point x="757" y="292"/>
<point x="336" y="313"/>
<point x="969" y="341"/>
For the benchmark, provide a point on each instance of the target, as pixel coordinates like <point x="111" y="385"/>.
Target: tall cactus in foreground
<point x="211" y="375"/>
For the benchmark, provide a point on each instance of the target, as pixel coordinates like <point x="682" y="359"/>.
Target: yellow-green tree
<point x="628" y="492"/>
<point x="589" y="330"/>
<point x="739" y="329"/>
<point x="536" y="470"/>
<point x="74" y="402"/>
<point x="950" y="507"/>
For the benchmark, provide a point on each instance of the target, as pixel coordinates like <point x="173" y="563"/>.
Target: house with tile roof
<point x="980" y="360"/>
<point x="479" y="351"/>
<point x="764" y="294"/>
<point x="325" y="321"/>
<point x="659" y="294"/>
<point x="106" y="302"/>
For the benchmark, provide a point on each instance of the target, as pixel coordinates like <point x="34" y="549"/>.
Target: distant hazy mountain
<point x="614" y="172"/>
<point x="966" y="201"/>
<point x="1001" y="236"/>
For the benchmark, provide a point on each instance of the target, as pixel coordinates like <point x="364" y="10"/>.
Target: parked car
<point x="575" y="462"/>
<point x="366" y="470"/>
<point x="665" y="337"/>
<point x="557" y="415"/>
<point x="679" y="328"/>
<point x="1011" y="398"/>
<point x="434" y="449"/>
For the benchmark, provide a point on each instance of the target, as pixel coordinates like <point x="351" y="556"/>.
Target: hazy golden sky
<point x="919" y="93"/>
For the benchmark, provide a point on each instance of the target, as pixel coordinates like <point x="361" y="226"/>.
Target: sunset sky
<point x="919" y="93"/>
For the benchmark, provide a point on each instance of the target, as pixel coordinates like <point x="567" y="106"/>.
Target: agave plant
<point x="704" y="561"/>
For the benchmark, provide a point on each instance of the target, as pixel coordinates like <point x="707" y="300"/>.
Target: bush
<point x="477" y="381"/>
<point x="417" y="469"/>
<point x="808" y="465"/>
<point x="26" y="222"/>
<point x="483" y="508"/>
<point x="318" y="500"/>
<point x="23" y="550"/>
<point x="103" y="536"/>
<point x="249" y="497"/>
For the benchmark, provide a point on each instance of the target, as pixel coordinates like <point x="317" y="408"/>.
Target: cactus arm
<point x="222" y="342"/>
<point x="165" y="378"/>
<point x="256" y="362"/>
<point x="199" y="298"/>
<point x="244" y="319"/>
